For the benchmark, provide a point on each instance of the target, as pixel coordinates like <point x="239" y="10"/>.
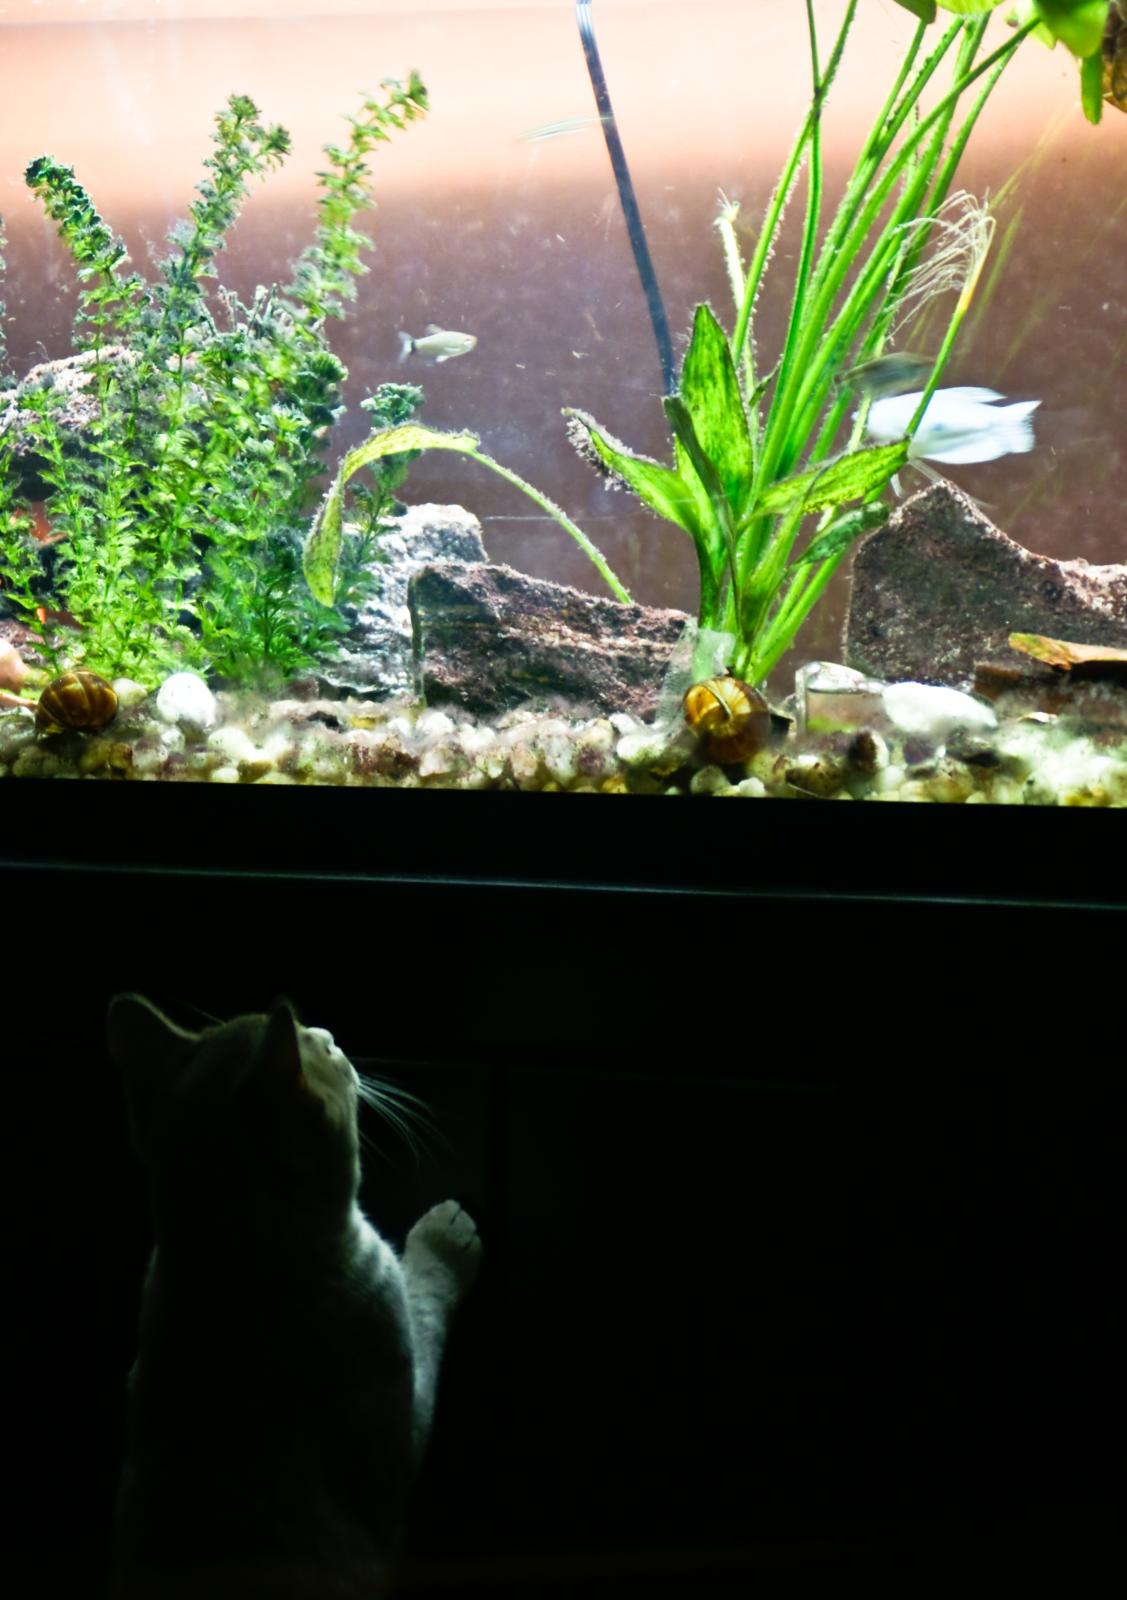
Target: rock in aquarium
<point x="932" y="711"/>
<point x="188" y="702"/>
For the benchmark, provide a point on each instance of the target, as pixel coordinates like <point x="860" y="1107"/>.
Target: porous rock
<point x="71" y="378"/>
<point x="374" y="657"/>
<point x="489" y="638"/>
<point x="939" y="589"/>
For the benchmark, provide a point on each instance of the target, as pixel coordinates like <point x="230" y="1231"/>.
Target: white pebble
<point x="524" y="764"/>
<point x="225" y="775"/>
<point x="433" y="723"/>
<point x="437" y="760"/>
<point x="641" y="747"/>
<point x="129" y="692"/>
<point x="561" y="759"/>
<point x="473" y="741"/>
<point x="932" y="711"/>
<point x="233" y="743"/>
<point x="277" y="745"/>
<point x="186" y="700"/>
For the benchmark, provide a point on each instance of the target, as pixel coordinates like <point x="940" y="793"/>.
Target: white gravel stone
<point x="933" y="711"/>
<point x="524" y="764"/>
<point x="225" y="775"/>
<point x="129" y="692"/>
<point x="641" y="747"/>
<point x="475" y="740"/>
<point x="187" y="701"/>
<point x="438" y="760"/>
<point x="432" y="724"/>
<point x="147" y="760"/>
<point x="277" y="745"/>
<point x="561" y="759"/>
<point x="233" y="743"/>
<point x="889" y="779"/>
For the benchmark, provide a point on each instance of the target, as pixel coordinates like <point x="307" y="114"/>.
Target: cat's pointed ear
<point x="148" y="1048"/>
<point x="290" y="1112"/>
<point x="278" y="1059"/>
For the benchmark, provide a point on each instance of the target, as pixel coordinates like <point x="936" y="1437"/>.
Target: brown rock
<point x="488" y="638"/>
<point x="939" y="589"/>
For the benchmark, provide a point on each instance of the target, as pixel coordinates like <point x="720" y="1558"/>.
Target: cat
<point x="285" y="1379"/>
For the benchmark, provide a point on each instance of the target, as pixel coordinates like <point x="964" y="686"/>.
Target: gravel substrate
<point x="1032" y="759"/>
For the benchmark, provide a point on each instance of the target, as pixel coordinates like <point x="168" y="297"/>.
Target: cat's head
<point x="242" y="1119"/>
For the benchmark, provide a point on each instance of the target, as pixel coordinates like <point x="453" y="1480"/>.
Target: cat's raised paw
<point x="448" y="1236"/>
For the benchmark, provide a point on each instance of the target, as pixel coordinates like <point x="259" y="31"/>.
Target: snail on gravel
<point x="730" y="717"/>
<point x="78" y="699"/>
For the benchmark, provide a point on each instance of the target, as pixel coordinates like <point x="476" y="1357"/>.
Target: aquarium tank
<point x="616" y="397"/>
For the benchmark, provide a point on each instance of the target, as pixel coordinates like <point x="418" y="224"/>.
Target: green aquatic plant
<point x="767" y="479"/>
<point x="762" y="479"/>
<point x="326" y="541"/>
<point x="178" y="522"/>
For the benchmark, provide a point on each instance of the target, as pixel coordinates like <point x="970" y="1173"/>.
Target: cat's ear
<point x="290" y="1111"/>
<point x="278" y="1058"/>
<point x="148" y="1049"/>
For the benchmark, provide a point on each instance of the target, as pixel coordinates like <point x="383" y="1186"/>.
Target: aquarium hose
<point x="627" y="199"/>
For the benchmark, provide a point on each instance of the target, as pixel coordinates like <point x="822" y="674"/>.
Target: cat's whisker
<point x="371" y="1147"/>
<point x="404" y="1111"/>
<point x="208" y="1016"/>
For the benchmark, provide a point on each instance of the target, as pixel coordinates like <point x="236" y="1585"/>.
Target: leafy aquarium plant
<point x="770" y="475"/>
<point x="176" y="524"/>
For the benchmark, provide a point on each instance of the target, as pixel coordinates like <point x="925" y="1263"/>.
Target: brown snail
<point x="76" y="700"/>
<point x="730" y="717"/>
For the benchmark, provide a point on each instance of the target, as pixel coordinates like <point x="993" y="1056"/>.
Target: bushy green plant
<point x="181" y="518"/>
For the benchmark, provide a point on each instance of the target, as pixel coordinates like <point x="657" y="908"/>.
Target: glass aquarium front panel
<point x="601" y="396"/>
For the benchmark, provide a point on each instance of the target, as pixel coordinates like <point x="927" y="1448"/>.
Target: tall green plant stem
<point x="883" y="266"/>
<point x="815" y="347"/>
<point x="594" y="555"/>
<point x="781" y="195"/>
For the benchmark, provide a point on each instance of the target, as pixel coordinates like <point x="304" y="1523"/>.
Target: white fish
<point x="959" y="425"/>
<point x="437" y="344"/>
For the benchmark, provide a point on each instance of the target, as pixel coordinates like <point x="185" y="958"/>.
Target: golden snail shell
<point x="76" y="700"/>
<point x="730" y="716"/>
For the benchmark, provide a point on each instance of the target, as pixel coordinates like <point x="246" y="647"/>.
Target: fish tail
<point x="406" y="345"/>
<point x="1018" y="426"/>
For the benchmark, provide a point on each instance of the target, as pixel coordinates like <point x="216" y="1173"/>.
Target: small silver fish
<point x="560" y="130"/>
<point x="437" y="344"/>
<point x="959" y="425"/>
<point x="894" y="373"/>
